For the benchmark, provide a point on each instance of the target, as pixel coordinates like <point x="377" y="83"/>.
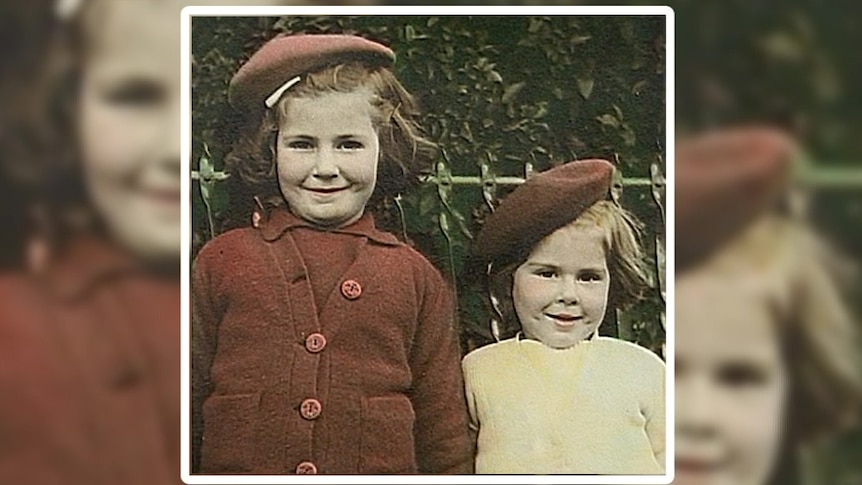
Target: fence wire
<point x="814" y="177"/>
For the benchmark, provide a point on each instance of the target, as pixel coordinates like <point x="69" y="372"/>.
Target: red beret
<point x="543" y="204"/>
<point x="288" y="56"/>
<point x="724" y="179"/>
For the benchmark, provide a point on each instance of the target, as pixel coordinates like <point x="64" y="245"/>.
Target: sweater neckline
<point x="521" y="340"/>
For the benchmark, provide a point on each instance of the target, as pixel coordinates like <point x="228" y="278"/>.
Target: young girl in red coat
<point x="556" y="397"/>
<point x="322" y="344"/>
<point x="89" y="319"/>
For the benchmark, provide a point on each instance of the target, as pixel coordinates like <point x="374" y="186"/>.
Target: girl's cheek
<point x="114" y="139"/>
<point x="754" y="431"/>
<point x="533" y="292"/>
<point x="101" y="138"/>
<point x="597" y="294"/>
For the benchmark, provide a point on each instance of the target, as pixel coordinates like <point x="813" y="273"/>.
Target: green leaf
<point x="580" y="39"/>
<point x="535" y="25"/>
<point x="639" y="87"/>
<point x="782" y="46"/>
<point x="608" y="120"/>
<point x="585" y="87"/>
<point x="541" y="112"/>
<point x="511" y="91"/>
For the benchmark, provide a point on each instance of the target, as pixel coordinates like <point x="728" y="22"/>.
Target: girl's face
<point x="129" y="125"/>
<point x="129" y="120"/>
<point x="327" y="153"/>
<point x="731" y="384"/>
<point x="561" y="291"/>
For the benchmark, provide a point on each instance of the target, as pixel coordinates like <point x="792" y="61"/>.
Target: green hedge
<point x="498" y="91"/>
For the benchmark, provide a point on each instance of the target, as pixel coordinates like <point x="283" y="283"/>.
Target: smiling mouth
<point x="565" y="319"/>
<point x="695" y="466"/>
<point x="328" y="190"/>
<point x="162" y="195"/>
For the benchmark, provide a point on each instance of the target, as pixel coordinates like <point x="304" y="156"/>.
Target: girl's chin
<point x="565" y="343"/>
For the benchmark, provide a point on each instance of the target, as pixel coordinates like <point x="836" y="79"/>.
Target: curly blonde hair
<point x="626" y="263"/>
<point x="818" y="334"/>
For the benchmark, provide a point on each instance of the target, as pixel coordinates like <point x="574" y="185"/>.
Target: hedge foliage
<point x="499" y="92"/>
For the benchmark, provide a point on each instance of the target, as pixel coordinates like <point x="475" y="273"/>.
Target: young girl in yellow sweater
<point x="767" y="349"/>
<point x="558" y="398"/>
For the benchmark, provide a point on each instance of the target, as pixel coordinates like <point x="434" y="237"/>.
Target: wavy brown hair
<point x="46" y="197"/>
<point x="405" y="152"/>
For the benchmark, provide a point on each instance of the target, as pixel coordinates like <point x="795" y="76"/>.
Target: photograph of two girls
<point x="356" y="310"/>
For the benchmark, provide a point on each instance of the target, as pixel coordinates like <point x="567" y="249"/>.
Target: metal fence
<point x="818" y="178"/>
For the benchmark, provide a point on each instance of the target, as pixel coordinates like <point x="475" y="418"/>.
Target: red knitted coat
<point x="366" y="382"/>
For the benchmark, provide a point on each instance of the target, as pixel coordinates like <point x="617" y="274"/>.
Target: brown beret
<point x="540" y="206"/>
<point x="724" y="180"/>
<point x="288" y="56"/>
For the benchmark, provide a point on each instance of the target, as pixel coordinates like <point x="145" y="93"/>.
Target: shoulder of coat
<point x="234" y="240"/>
<point x="20" y="300"/>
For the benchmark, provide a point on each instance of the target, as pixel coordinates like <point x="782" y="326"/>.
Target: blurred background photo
<point x="789" y="66"/>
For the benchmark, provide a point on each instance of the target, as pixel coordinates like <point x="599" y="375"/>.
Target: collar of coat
<point x="90" y="261"/>
<point x="282" y="220"/>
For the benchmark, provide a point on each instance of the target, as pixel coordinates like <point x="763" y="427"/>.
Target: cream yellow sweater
<point x="595" y="408"/>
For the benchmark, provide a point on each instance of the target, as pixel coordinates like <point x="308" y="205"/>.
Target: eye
<point x="135" y="93"/>
<point x="742" y="375"/>
<point x="350" y="145"/>
<point x="590" y="276"/>
<point x="302" y="145"/>
<point x="546" y="273"/>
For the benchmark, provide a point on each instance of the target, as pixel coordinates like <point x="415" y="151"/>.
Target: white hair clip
<point x="276" y="95"/>
<point x="67" y="9"/>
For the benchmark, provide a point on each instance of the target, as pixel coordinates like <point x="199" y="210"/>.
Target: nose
<point x="568" y="290"/>
<point x="696" y="415"/>
<point x="325" y="166"/>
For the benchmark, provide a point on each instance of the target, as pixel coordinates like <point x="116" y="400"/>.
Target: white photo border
<point x="490" y="10"/>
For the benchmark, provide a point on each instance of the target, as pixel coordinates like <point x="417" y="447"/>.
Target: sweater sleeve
<point x="654" y="410"/>
<point x="472" y="407"/>
<point x="441" y="431"/>
<point x="469" y="391"/>
<point x="204" y="330"/>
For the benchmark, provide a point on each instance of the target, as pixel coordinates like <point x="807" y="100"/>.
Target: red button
<point x="306" y="468"/>
<point x="315" y="342"/>
<point x="310" y="408"/>
<point x="351" y="289"/>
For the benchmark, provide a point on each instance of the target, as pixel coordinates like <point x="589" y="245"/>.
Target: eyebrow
<point x="133" y="84"/>
<point x="309" y="137"/>
<point x="540" y="264"/>
<point x="132" y="80"/>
